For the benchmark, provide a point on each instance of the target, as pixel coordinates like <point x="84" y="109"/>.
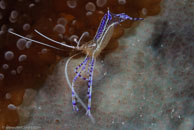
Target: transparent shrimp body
<point x="94" y="47"/>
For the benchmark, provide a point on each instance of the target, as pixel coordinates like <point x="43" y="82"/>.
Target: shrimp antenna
<point x="41" y="43"/>
<point x="53" y="40"/>
<point x="70" y="86"/>
<point x="83" y="34"/>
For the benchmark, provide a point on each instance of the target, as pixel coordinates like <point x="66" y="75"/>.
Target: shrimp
<point x="92" y="49"/>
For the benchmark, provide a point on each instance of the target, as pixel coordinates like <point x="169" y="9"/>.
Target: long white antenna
<point x="53" y="40"/>
<point x="41" y="43"/>
<point x="83" y="34"/>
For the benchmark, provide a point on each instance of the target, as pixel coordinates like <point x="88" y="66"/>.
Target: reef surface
<point x="145" y="83"/>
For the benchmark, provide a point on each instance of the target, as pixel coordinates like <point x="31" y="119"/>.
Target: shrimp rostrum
<point x="92" y="49"/>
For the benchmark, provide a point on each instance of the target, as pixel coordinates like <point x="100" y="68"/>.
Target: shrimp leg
<point x="69" y="85"/>
<point x="90" y="87"/>
<point x="74" y="80"/>
<point x="76" y="71"/>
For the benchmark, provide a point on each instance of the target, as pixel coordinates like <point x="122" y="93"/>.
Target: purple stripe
<point x="86" y="59"/>
<point x="77" y="75"/>
<point x="101" y="27"/>
<point x="109" y="19"/>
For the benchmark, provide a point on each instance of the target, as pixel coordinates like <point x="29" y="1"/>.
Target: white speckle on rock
<point x="29" y="36"/>
<point x="144" y="11"/>
<point x="31" y="5"/>
<point x="50" y="19"/>
<point x="22" y="58"/>
<point x="59" y="28"/>
<point x="2" y="4"/>
<point x="21" y="44"/>
<point x="9" y="55"/>
<point x="13" y="72"/>
<point x="101" y="3"/>
<point x="7" y="96"/>
<point x="12" y="107"/>
<point x="122" y="2"/>
<point x="72" y="3"/>
<point x="28" y="44"/>
<point x="100" y="12"/>
<point x="62" y="21"/>
<point x="19" y="69"/>
<point x="14" y="14"/>
<point x="90" y="6"/>
<point x="1" y="32"/>
<point x="36" y="1"/>
<point x="44" y="51"/>
<point x="5" y="66"/>
<point x="26" y="27"/>
<point x="12" y="20"/>
<point x="60" y="36"/>
<point x="3" y="28"/>
<point x="1" y="76"/>
<point x="73" y="22"/>
<point x="88" y="13"/>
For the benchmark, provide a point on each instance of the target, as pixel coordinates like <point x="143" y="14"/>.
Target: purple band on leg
<point x="101" y="27"/>
<point x="85" y="60"/>
<point x="90" y="84"/>
<point x="78" y="73"/>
